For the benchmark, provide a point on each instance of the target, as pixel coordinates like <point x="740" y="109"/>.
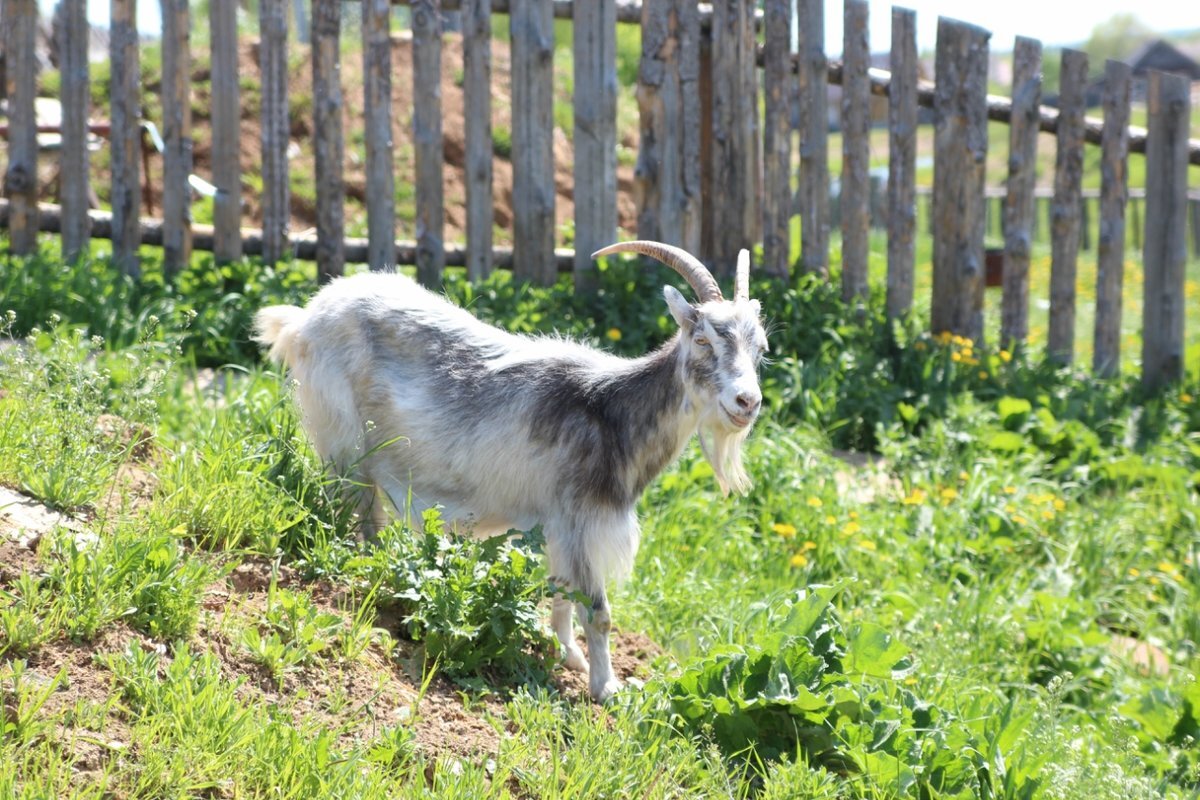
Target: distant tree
<point x="1119" y="37"/>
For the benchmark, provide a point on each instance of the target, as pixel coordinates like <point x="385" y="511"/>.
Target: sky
<point x="1054" y="22"/>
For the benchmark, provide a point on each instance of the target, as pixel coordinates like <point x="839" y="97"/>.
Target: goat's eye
<point x="701" y="340"/>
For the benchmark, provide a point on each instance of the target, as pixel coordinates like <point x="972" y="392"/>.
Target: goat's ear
<point x="754" y="304"/>
<point x="685" y="313"/>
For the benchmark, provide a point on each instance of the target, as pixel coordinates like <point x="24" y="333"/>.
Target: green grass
<point x="949" y="616"/>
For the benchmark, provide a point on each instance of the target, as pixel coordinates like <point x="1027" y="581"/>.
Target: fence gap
<point x="1165" y="253"/>
<point x="1114" y="191"/>
<point x="531" y="28"/>
<point x="594" y="60"/>
<point x="177" y="135"/>
<point x="960" y="156"/>
<point x="1020" y="205"/>
<point x="328" y="143"/>
<point x="20" y="177"/>
<point x="902" y="163"/>
<point x="477" y="106"/>
<point x="276" y="130"/>
<point x="856" y="151"/>
<point x="1065" y="213"/>
<point x="377" y="122"/>
<point x="814" y="138"/>
<point x="777" y="136"/>
<point x="735" y="132"/>
<point x="427" y="140"/>
<point x="124" y="82"/>
<point x="73" y="160"/>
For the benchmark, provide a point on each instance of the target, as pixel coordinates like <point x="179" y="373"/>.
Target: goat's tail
<point x="277" y="327"/>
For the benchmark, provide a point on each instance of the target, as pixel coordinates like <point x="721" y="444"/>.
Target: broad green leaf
<point x="873" y="651"/>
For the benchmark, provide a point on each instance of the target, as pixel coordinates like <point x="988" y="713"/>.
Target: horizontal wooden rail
<point x="150" y="232"/>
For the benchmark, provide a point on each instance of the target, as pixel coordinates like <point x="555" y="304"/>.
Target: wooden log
<point x="902" y="163"/>
<point x="276" y="129"/>
<point x="124" y="84"/>
<point x="427" y="138"/>
<point x="960" y="155"/>
<point x="73" y="158"/>
<point x="1020" y="205"/>
<point x="531" y="27"/>
<point x="777" y="138"/>
<point x="814" y="138"/>
<point x="377" y="121"/>
<point x="595" y="137"/>
<point x="328" y="143"/>
<point x="668" y="167"/>
<point x="735" y="132"/>
<point x="477" y="100"/>
<point x="1114" y="192"/>
<point x="177" y="135"/>
<point x="1065" y="225"/>
<point x="226" y="133"/>
<point x="20" y="177"/>
<point x="1165" y="254"/>
<point x="856" y="151"/>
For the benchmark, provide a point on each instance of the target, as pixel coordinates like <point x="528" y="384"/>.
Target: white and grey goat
<point x="423" y="404"/>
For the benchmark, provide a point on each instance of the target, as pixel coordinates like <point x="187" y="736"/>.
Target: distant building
<point x="1159" y="55"/>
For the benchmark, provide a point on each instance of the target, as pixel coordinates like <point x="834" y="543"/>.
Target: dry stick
<point x="427" y="140"/>
<point x="856" y="152"/>
<point x="595" y="135"/>
<point x="377" y="113"/>
<point x="902" y="163"/>
<point x="477" y="102"/>
<point x="1165" y="254"/>
<point x="1020" y="205"/>
<point x="1065" y="207"/>
<point x="177" y="136"/>
<point x="1114" y="191"/>
<point x="74" y="155"/>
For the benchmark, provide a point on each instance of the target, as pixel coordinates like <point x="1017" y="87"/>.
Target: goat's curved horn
<point x="683" y="262"/>
<point x="741" y="281"/>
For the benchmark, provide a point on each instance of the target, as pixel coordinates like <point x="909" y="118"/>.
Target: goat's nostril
<point x="747" y="401"/>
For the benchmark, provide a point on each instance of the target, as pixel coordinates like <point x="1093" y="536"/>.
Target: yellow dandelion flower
<point x="1017" y="518"/>
<point x="1009" y="509"/>
<point x="963" y="476"/>
<point x="799" y="560"/>
<point x="853" y="515"/>
<point x="944" y="337"/>
<point x="830" y="519"/>
<point x="956" y="357"/>
<point x="948" y="493"/>
<point x="1134" y="572"/>
<point x="915" y="498"/>
<point x="1185" y="398"/>
<point x="910" y="681"/>
<point x="1059" y="505"/>
<point x="919" y="347"/>
<point x="815" y="502"/>
<point x="867" y="544"/>
<point x="851" y="528"/>
<point x="1047" y="514"/>
<point x="1154" y="581"/>
<point x="1010" y="490"/>
<point x="983" y="376"/>
<point x="809" y="545"/>
<point x="1005" y="356"/>
<point x="784" y="529"/>
<point x="1169" y="568"/>
<point x="614" y="334"/>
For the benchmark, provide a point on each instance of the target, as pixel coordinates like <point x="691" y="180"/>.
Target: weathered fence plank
<point x="328" y="144"/>
<point x="1165" y="254"/>
<point x="777" y="137"/>
<point x="814" y="138"/>
<point x="427" y="140"/>
<point x="902" y="163"/>
<point x="960" y="156"/>
<point x="477" y="103"/>
<point x="1065" y="213"/>
<point x="1020" y="206"/>
<point x="668" y="166"/>
<point x="177" y="135"/>
<point x="272" y="22"/>
<point x="73" y="160"/>
<point x="377" y="121"/>
<point x="20" y="177"/>
<point x="531" y="28"/>
<point x="124" y="82"/>
<point x="226" y="134"/>
<point x="856" y="151"/>
<point x="1114" y="191"/>
<point x="735" y="132"/>
<point x="595" y="138"/>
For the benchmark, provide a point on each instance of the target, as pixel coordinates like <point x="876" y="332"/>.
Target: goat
<point x="418" y="401"/>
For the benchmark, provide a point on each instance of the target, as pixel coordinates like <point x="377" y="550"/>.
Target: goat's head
<point x="721" y="344"/>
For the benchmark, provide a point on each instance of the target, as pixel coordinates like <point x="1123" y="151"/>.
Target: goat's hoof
<point x="605" y="691"/>
<point x="574" y="660"/>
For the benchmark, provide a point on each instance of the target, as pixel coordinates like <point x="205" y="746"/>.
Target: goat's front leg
<point x="561" y="622"/>
<point x="597" y="623"/>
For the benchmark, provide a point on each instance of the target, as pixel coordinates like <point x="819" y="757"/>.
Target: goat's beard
<point x="722" y="446"/>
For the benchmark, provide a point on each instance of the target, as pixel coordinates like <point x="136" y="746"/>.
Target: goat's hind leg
<point x="597" y="624"/>
<point x="563" y="625"/>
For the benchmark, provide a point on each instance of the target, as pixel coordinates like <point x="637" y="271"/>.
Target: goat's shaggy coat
<point x="406" y="393"/>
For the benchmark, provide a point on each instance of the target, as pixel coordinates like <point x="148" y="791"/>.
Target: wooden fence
<point x="711" y="174"/>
